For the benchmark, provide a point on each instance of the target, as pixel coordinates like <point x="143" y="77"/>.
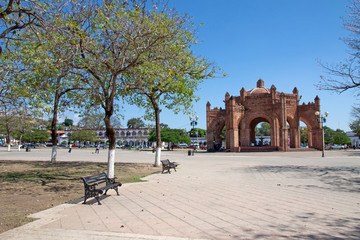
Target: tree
<point x="7" y="121"/>
<point x="263" y="130"/>
<point x="44" y="74"/>
<point x="355" y="126"/>
<point x="304" y="135"/>
<point x="346" y="75"/>
<point x="36" y="135"/>
<point x="175" y="136"/>
<point x="197" y="132"/>
<point x="335" y="137"/>
<point x="92" y="119"/>
<point x="111" y="38"/>
<point x="172" y="82"/>
<point x="68" y="122"/>
<point x="83" y="136"/>
<point x="135" y="123"/>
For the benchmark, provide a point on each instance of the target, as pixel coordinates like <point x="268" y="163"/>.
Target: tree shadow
<point x="336" y="178"/>
<point x="344" y="228"/>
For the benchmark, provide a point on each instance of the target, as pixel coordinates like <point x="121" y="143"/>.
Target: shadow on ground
<point x="337" y="178"/>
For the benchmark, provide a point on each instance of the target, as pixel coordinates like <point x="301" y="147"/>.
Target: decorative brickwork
<point x="281" y="110"/>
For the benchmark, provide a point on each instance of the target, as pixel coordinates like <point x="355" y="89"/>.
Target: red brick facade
<point x="244" y="112"/>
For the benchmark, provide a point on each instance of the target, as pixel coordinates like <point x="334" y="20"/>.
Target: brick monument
<point x="281" y="110"/>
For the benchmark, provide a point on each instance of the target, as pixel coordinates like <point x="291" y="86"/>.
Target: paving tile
<point x="220" y="196"/>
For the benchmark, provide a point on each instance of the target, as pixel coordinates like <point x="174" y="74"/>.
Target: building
<point x="354" y="139"/>
<point x="282" y="111"/>
<point x="124" y="136"/>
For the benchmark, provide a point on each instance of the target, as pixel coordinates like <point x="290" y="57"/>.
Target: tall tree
<point x="111" y="38"/>
<point x="135" y="123"/>
<point x="68" y="122"/>
<point x="171" y="83"/>
<point x="48" y="80"/>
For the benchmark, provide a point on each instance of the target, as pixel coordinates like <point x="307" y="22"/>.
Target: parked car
<point x="40" y="145"/>
<point x="203" y="147"/>
<point x="30" y="145"/>
<point x="337" y="146"/>
<point x="183" y="145"/>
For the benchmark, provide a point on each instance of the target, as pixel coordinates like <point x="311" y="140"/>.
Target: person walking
<point x="70" y="147"/>
<point x="97" y="149"/>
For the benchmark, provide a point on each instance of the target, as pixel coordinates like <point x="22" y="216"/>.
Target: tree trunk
<point x="53" y="153"/>
<point x="53" y="128"/>
<point x="21" y="135"/>
<point x="8" y="140"/>
<point x="110" y="132"/>
<point x="158" y="136"/>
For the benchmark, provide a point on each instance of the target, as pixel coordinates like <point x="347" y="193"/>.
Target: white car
<point x="337" y="146"/>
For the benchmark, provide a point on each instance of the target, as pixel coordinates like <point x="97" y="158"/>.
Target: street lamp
<point x="193" y="122"/>
<point x="322" y="119"/>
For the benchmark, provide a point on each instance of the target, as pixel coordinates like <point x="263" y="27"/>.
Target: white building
<point x="124" y="136"/>
<point x="354" y="139"/>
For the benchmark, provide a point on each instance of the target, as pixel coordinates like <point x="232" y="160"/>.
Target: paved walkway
<point x="296" y="195"/>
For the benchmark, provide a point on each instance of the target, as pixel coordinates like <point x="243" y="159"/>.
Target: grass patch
<point x="27" y="187"/>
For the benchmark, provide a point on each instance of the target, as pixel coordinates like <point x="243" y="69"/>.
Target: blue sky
<point x="279" y="41"/>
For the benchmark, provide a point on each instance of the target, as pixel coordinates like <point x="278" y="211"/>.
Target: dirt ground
<point x="29" y="187"/>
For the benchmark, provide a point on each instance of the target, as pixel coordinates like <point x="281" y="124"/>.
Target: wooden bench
<point x="167" y="165"/>
<point x="97" y="184"/>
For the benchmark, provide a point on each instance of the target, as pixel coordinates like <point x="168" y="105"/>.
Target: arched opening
<point x="260" y="132"/>
<point x="304" y="135"/>
<point x="263" y="134"/>
<point x="219" y="138"/>
<point x="293" y="132"/>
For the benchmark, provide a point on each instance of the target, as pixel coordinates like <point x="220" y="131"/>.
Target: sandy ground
<point x="293" y="195"/>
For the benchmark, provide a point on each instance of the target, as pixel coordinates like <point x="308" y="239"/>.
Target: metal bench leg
<point x="98" y="200"/>
<point x="117" y="192"/>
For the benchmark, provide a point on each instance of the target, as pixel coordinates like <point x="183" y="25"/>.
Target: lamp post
<point x="322" y="119"/>
<point x="193" y="122"/>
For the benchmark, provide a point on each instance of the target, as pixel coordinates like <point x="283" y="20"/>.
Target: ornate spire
<point x="260" y="83"/>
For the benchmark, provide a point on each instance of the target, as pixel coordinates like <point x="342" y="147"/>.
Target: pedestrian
<point x="70" y="147"/>
<point x="97" y="149"/>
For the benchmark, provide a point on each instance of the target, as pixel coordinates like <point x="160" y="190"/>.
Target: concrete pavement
<point x="294" y="195"/>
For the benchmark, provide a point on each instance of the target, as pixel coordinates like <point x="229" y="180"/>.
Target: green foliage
<point x="335" y="137"/>
<point x="135" y="123"/>
<point x="83" y="136"/>
<point x="263" y="130"/>
<point x="35" y="135"/>
<point x="171" y="135"/>
<point x="68" y="122"/>
<point x="197" y="132"/>
<point x="355" y="126"/>
<point x="304" y="135"/>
